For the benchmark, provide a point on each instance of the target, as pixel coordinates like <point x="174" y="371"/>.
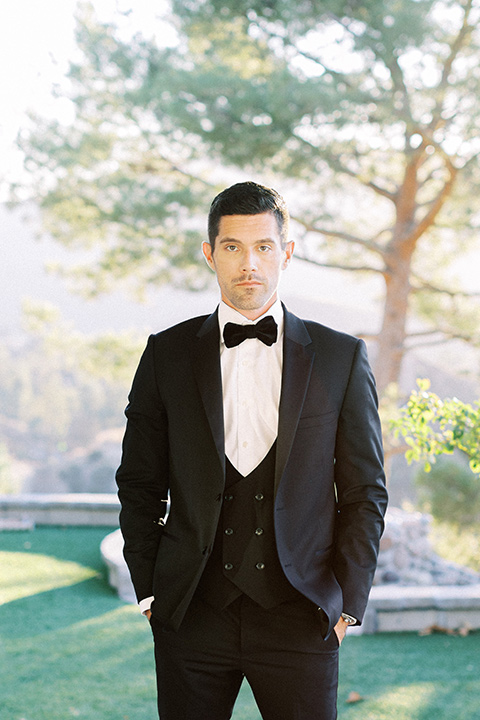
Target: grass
<point x="71" y="649"/>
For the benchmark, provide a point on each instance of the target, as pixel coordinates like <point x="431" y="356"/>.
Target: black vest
<point x="244" y="556"/>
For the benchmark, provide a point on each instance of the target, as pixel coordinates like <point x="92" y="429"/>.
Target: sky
<point x="36" y="43"/>
<point x="36" y="38"/>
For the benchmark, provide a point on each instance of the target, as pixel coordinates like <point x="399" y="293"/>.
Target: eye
<point x="230" y="248"/>
<point x="264" y="248"/>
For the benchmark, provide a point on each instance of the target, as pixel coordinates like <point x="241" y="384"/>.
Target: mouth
<point x="249" y="283"/>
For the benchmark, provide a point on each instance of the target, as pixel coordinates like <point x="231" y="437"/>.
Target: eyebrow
<point x="227" y="240"/>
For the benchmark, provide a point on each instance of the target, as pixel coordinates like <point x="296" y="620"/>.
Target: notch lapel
<point x="297" y="367"/>
<point x="209" y="380"/>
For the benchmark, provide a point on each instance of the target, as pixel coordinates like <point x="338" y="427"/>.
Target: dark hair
<point x="248" y="198"/>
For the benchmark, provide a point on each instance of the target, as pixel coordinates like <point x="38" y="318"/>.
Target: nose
<point x="249" y="261"/>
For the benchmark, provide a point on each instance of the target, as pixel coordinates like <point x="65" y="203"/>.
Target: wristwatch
<point x="349" y="619"/>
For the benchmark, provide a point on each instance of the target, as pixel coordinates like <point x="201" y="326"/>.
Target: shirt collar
<point x="229" y="314"/>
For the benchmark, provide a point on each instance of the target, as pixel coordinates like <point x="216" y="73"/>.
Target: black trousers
<point x="292" y="671"/>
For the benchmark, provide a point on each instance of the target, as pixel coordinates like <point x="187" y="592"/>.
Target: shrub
<point x="450" y="491"/>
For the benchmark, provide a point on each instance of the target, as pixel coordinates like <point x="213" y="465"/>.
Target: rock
<point x="406" y="556"/>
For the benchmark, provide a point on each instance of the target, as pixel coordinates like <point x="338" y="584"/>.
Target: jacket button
<point x="228" y="566"/>
<point x="259" y="496"/>
<point x="259" y="531"/>
<point x="228" y="497"/>
<point x="229" y="531"/>
<point x="260" y="566"/>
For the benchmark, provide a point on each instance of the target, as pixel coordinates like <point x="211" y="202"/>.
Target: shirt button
<point x="259" y="531"/>
<point x="260" y="566"/>
<point x="229" y="531"/>
<point x="228" y="566"/>
<point x="245" y="444"/>
<point x="259" y="496"/>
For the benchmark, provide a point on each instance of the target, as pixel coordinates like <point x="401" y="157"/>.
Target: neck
<point x="255" y="313"/>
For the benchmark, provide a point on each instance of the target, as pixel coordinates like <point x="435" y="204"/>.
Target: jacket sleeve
<point x="142" y="477"/>
<point x="360" y="487"/>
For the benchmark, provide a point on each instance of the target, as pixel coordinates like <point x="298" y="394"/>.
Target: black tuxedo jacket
<point x="329" y="480"/>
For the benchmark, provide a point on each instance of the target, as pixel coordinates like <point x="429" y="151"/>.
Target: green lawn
<point x="69" y="648"/>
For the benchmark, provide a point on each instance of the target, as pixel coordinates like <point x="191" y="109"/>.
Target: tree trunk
<point x="391" y="339"/>
<point x="398" y="263"/>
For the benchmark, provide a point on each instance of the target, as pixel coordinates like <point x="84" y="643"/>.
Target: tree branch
<point x="447" y="336"/>
<point x="287" y="41"/>
<point x="423" y="285"/>
<point x="290" y="43"/>
<point x="337" y="166"/>
<point x="152" y="166"/>
<point x="391" y="450"/>
<point x="437" y="204"/>
<point x="455" y="47"/>
<point x="399" y="83"/>
<point x="339" y="266"/>
<point x="367" y="244"/>
<point x="367" y="183"/>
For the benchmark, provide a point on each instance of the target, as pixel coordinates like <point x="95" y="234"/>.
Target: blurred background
<point x="119" y="123"/>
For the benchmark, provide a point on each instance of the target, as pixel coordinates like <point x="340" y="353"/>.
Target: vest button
<point x="228" y="566"/>
<point x="259" y="531"/>
<point x="260" y="566"/>
<point x="229" y="531"/>
<point x="259" y="496"/>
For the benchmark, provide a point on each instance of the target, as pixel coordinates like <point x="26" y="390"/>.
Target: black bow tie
<point x="265" y="330"/>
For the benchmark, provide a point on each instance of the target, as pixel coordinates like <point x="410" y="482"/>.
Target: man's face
<point x="248" y="259"/>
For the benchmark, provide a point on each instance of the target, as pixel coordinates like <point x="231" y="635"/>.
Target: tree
<point x="367" y="113"/>
<point x="60" y="388"/>
<point x="450" y="492"/>
<point x="433" y="427"/>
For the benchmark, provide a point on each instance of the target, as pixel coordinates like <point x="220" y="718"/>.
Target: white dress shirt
<point x="251" y="384"/>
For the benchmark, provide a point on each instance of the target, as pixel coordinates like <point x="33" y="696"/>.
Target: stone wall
<point x="27" y="510"/>
<point x="406" y="557"/>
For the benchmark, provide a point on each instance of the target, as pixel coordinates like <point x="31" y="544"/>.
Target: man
<point x="262" y="430"/>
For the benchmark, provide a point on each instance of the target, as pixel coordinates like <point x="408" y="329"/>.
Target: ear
<point x="289" y="247"/>
<point x="208" y="255"/>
